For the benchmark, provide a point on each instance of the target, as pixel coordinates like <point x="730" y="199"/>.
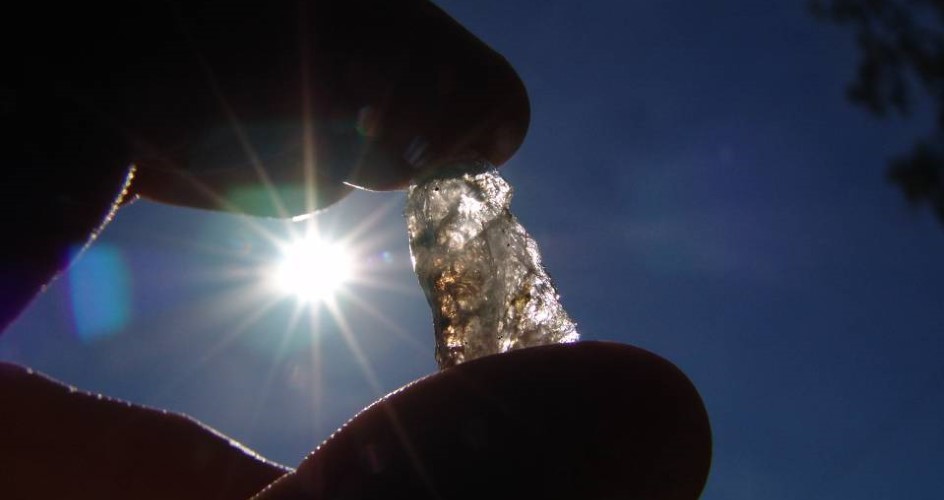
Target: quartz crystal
<point x="479" y="268"/>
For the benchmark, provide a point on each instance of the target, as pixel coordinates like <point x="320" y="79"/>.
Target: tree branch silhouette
<point x="902" y="50"/>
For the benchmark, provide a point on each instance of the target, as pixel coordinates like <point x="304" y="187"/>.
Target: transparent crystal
<point x="479" y="268"/>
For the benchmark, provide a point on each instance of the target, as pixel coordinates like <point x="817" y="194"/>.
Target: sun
<point x="312" y="269"/>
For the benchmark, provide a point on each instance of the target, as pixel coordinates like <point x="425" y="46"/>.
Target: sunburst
<point x="312" y="269"/>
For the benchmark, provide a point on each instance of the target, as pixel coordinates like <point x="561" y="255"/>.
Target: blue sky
<point x="699" y="187"/>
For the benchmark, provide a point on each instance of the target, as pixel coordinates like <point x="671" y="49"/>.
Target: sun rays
<point x="287" y="286"/>
<point x="241" y="319"/>
<point x="282" y="288"/>
<point x="312" y="269"/>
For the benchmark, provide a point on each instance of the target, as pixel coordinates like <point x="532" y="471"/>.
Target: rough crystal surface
<point x="479" y="268"/>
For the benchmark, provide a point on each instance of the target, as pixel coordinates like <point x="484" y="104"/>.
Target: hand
<point x="268" y="108"/>
<point x="586" y="420"/>
<point x="217" y="104"/>
<point x="317" y="94"/>
<point x="59" y="442"/>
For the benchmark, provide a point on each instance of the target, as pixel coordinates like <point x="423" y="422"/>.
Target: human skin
<point x="216" y="102"/>
<point x="593" y="420"/>
<point x="326" y="95"/>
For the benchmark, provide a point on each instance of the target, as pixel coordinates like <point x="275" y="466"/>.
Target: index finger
<point x="316" y="95"/>
<point x="60" y="442"/>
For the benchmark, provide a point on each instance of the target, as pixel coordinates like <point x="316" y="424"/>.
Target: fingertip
<point x="512" y="118"/>
<point x="438" y="97"/>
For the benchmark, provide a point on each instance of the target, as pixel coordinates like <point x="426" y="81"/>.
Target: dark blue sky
<point x="699" y="187"/>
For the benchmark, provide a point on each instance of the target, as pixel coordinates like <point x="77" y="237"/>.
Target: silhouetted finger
<point x="368" y="92"/>
<point x="586" y="420"/>
<point x="215" y="99"/>
<point x="57" y="442"/>
<point x="265" y="108"/>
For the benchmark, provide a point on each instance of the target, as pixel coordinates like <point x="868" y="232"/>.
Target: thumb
<point x="585" y="420"/>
